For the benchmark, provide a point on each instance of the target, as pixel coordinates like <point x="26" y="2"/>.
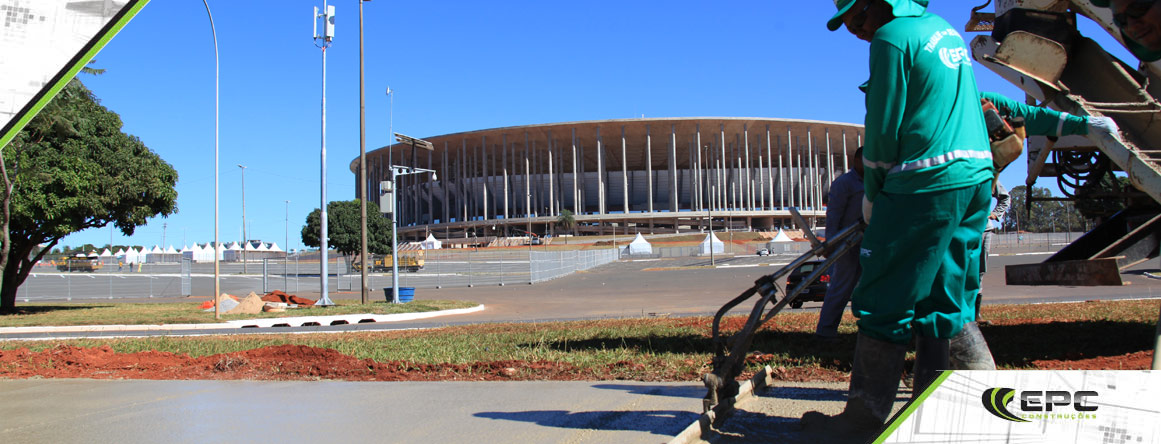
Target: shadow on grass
<point x="41" y="309"/>
<point x="1011" y="345"/>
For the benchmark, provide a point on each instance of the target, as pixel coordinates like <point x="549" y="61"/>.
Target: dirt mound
<point x="278" y="296"/>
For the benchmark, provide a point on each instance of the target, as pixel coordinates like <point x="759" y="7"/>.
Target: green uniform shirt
<point x="1040" y="121"/>
<point x="924" y="126"/>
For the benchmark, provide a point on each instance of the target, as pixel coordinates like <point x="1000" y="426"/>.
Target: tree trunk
<point x="16" y="271"/>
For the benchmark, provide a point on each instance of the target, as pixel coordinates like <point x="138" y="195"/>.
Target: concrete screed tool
<point x="730" y="350"/>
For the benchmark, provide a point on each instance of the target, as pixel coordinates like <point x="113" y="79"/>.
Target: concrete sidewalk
<point x="81" y="410"/>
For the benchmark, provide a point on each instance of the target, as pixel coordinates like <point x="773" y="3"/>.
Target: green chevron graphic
<point x="995" y="401"/>
<point x="70" y="70"/>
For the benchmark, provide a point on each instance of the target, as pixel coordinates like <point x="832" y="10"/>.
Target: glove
<point x="867" y="209"/>
<point x="1103" y="126"/>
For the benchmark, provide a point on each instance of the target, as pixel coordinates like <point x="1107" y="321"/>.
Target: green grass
<point x="679" y="349"/>
<point x="189" y="313"/>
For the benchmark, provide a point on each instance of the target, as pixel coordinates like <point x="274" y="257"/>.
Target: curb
<point x="704" y="424"/>
<point x="300" y="321"/>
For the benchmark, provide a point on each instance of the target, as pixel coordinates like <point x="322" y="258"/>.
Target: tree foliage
<point x="343" y="228"/>
<point x="1045" y="215"/>
<point x="70" y="169"/>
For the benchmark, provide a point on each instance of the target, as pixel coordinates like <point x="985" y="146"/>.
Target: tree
<point x="343" y="228"/>
<point x="1045" y="215"/>
<point x="566" y="221"/>
<point x="72" y="169"/>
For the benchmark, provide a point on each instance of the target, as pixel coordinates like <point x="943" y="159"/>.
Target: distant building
<point x="631" y="175"/>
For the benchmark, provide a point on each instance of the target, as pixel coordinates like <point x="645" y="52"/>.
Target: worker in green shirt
<point x="927" y="182"/>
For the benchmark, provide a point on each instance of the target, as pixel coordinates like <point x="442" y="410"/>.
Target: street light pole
<point x="217" y="269"/>
<point x="328" y="17"/>
<point x="363" y="183"/>
<point x="399" y="170"/>
<point x="244" y="242"/>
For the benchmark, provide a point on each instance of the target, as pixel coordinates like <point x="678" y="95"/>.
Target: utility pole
<point x="217" y="268"/>
<point x="328" y="17"/>
<point x="363" y="182"/>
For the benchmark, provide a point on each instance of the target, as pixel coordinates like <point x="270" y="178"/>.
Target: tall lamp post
<point x="363" y="185"/>
<point x="244" y="242"/>
<point x="323" y="42"/>
<point x="217" y="269"/>
<point x="396" y="171"/>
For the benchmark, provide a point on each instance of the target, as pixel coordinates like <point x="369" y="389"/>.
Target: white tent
<point x="261" y="247"/>
<point x="120" y="252"/>
<point x="156" y="250"/>
<point x="170" y="250"/>
<point x="106" y="253"/>
<point x="713" y="242"/>
<point x="274" y="247"/>
<point x="132" y="256"/>
<point x="781" y="237"/>
<point x="639" y="246"/>
<point x="431" y="243"/>
<point x="249" y="246"/>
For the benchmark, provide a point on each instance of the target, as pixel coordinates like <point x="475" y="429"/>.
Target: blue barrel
<point x="406" y="294"/>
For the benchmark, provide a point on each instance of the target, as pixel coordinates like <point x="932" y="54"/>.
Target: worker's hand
<point x="1103" y="126"/>
<point x="867" y="209"/>
<point x="993" y="216"/>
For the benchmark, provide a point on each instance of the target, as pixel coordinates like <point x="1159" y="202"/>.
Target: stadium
<point x="663" y="175"/>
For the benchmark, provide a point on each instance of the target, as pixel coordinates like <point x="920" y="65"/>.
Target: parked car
<point x="763" y="252"/>
<point x="816" y="291"/>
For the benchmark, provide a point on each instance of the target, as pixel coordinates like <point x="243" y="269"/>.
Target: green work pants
<point x="920" y="257"/>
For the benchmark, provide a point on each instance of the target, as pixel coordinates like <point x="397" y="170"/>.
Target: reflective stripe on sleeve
<point x="880" y="165"/>
<point x="941" y="159"/>
<point x="1060" y="124"/>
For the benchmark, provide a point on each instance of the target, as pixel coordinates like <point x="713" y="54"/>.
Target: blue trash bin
<point x="406" y="294"/>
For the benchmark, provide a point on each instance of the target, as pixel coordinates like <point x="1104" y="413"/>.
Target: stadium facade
<point x="630" y="175"/>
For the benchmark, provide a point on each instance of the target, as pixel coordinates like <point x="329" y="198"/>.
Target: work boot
<point x="969" y="350"/>
<point x="931" y="357"/>
<point x="874" y="381"/>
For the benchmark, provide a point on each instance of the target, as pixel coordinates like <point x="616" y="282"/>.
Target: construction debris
<point x="252" y="304"/>
<point x="278" y="296"/>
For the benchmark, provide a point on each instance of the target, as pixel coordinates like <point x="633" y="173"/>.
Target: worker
<point x="843" y="209"/>
<point x="1140" y="25"/>
<point x="1003" y="201"/>
<point x="927" y="181"/>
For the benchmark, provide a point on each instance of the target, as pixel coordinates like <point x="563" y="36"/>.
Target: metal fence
<point x="1031" y="242"/>
<point x="546" y="265"/>
<point x="157" y="280"/>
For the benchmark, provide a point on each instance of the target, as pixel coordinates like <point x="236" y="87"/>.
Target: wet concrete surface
<point x="81" y="410"/>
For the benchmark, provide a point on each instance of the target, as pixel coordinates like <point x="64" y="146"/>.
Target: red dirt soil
<point x="283" y="362"/>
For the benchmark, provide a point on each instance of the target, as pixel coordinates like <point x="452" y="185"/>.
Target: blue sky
<point x="454" y="66"/>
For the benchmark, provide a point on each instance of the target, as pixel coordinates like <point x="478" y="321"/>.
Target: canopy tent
<point x="106" y="253"/>
<point x="132" y="256"/>
<point x="639" y="246"/>
<point x="431" y="243"/>
<point x="120" y="252"/>
<point x="781" y="237"/>
<point x="274" y="247"/>
<point x="713" y="242"/>
<point x="171" y="250"/>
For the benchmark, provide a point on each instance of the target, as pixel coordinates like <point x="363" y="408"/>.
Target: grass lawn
<point x="679" y="349"/>
<point x="189" y="313"/>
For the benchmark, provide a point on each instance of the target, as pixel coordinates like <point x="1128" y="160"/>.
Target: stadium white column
<point x="649" y="168"/>
<point x="790" y="168"/>
<point x="697" y="172"/>
<point x="770" y="167"/>
<point x="723" y="164"/>
<point x="575" y="179"/>
<point x="748" y="189"/>
<point x="846" y="163"/>
<point x="600" y="173"/>
<point x="504" y="162"/>
<point x="624" y="172"/>
<point x="673" y="168"/>
<point x="551" y="190"/>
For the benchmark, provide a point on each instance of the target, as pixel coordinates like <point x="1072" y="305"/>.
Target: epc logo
<point x="1034" y="404"/>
